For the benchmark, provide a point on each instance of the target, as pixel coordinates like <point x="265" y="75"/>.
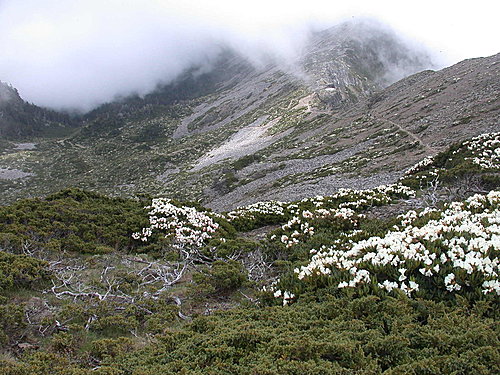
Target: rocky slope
<point x="239" y="134"/>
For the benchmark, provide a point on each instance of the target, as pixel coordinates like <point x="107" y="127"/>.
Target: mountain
<point x="235" y="134"/>
<point x="19" y="119"/>
<point x="382" y="278"/>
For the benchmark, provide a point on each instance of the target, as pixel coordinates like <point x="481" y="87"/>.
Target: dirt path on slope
<point x="413" y="136"/>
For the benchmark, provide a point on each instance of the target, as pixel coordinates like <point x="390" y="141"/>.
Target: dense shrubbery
<point x="433" y="254"/>
<point x="336" y="336"/>
<point x="222" y="277"/>
<point x="72" y="220"/>
<point x="479" y="157"/>
<point x="274" y="212"/>
<point x="11" y="320"/>
<point x="21" y="271"/>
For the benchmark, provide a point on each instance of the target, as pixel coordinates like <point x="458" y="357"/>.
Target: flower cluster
<point x="259" y="208"/>
<point x="485" y="150"/>
<point x="297" y="228"/>
<point x="346" y="202"/>
<point x="355" y="199"/>
<point x="186" y="225"/>
<point x="420" y="166"/>
<point x="349" y="198"/>
<point x="316" y="201"/>
<point x="302" y="226"/>
<point x="372" y="197"/>
<point x="457" y="249"/>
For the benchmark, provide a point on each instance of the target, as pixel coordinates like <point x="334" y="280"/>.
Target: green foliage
<point x="490" y="181"/>
<point x="111" y="348"/>
<point x="72" y="220"/>
<point x="245" y="161"/>
<point x="21" y="271"/>
<point x="355" y="331"/>
<point x="456" y="165"/>
<point x="42" y="363"/>
<point x="115" y="324"/>
<point x="228" y="248"/>
<point x="221" y="277"/>
<point x="11" y="321"/>
<point x="64" y="343"/>
<point x="335" y="336"/>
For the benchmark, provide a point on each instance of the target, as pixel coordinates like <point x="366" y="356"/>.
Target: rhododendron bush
<point x="485" y="150"/>
<point x="276" y="212"/>
<point x="479" y="155"/>
<point x="184" y="225"/>
<point x="433" y="253"/>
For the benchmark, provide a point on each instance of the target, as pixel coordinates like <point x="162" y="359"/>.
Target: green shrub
<point x="115" y="324"/>
<point x="73" y="220"/>
<point x="64" y="343"/>
<point x="109" y="348"/>
<point x="11" y="321"/>
<point x="221" y="277"/>
<point x="21" y="271"/>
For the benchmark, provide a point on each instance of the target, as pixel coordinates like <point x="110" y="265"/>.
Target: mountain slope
<point x="238" y="134"/>
<point x="362" y="279"/>
<point x="19" y="119"/>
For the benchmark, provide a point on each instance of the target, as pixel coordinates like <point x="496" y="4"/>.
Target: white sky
<point x="80" y="53"/>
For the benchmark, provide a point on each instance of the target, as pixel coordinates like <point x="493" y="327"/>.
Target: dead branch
<point x="257" y="265"/>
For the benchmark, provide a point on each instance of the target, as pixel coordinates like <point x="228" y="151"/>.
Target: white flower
<point x="402" y="272"/>
<point x="491" y="286"/>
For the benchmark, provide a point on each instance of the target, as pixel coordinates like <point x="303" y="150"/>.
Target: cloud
<point x="78" y="54"/>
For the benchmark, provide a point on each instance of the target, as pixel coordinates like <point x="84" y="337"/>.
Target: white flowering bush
<point x="479" y="155"/>
<point x="485" y="150"/>
<point x="259" y="208"/>
<point x="276" y="212"/>
<point x="431" y="253"/>
<point x="257" y="214"/>
<point x="336" y="213"/>
<point x="183" y="225"/>
<point x="421" y="165"/>
<point x="358" y="199"/>
<point x="302" y="227"/>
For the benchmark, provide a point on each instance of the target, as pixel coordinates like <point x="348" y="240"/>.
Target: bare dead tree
<point x="165" y="275"/>
<point x="432" y="195"/>
<point x="257" y="266"/>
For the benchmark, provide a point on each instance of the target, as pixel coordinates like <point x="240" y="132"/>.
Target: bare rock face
<point x="446" y="106"/>
<point x="352" y="61"/>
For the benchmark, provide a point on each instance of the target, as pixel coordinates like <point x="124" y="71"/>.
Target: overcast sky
<point x="81" y="53"/>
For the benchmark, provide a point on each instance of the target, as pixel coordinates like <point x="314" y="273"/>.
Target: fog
<point x="69" y="54"/>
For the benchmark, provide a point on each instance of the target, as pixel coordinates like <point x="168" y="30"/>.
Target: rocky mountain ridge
<point x="238" y="134"/>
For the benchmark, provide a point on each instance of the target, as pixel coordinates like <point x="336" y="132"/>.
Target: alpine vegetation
<point x="434" y="251"/>
<point x="252" y="218"/>
<point x="183" y="225"/>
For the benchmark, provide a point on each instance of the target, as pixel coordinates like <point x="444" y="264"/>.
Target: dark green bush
<point x="73" y="220"/>
<point x="110" y="348"/>
<point x="21" y="271"/>
<point x="221" y="277"/>
<point x="11" y="321"/>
